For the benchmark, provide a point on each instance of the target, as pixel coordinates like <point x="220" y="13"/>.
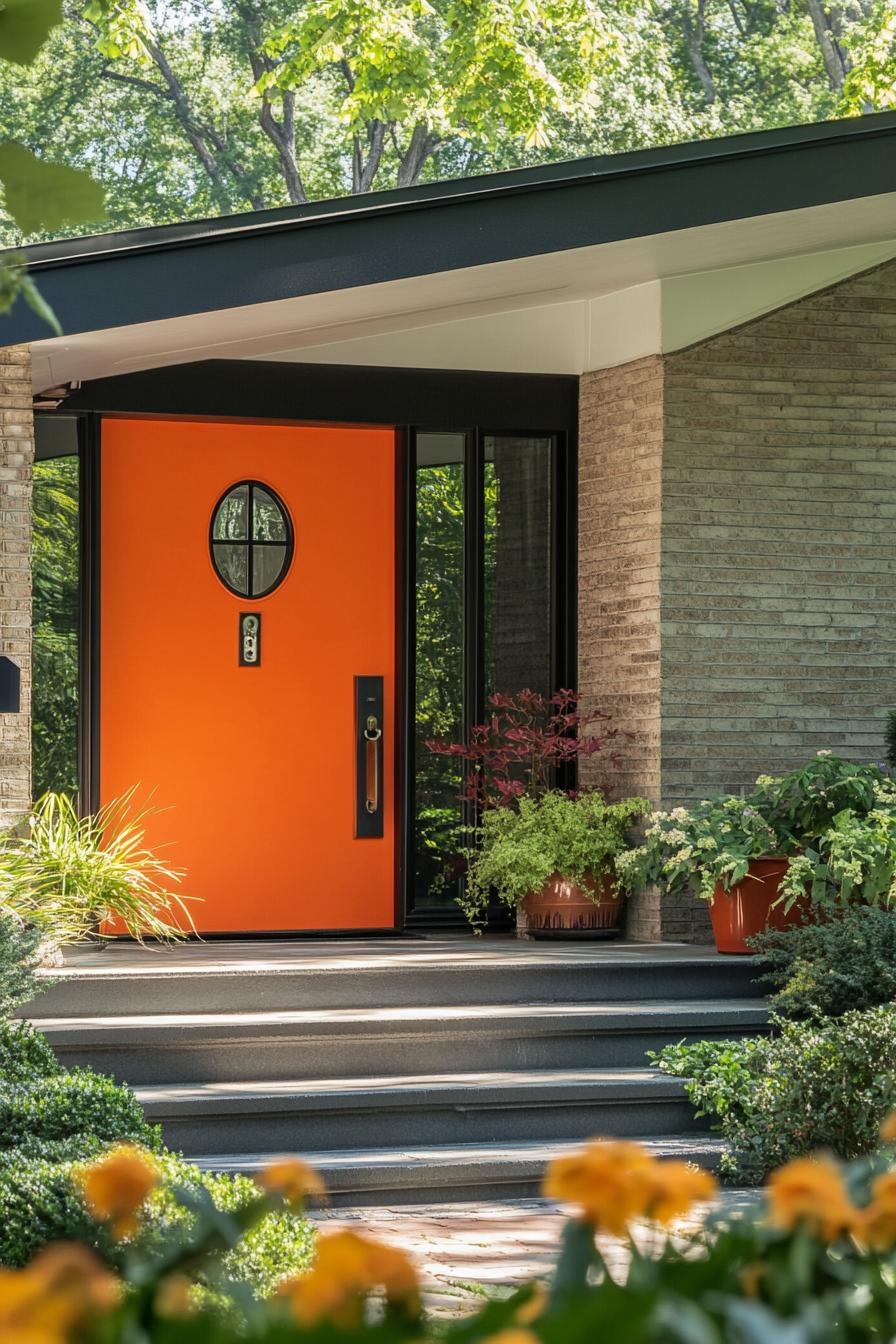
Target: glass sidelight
<point x="489" y="576"/>
<point x="56" y="527"/>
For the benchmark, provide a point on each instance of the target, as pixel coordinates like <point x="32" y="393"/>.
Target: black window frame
<point x="563" y="614"/>
<point x="251" y="542"/>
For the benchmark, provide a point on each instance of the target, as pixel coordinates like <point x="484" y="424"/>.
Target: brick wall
<point x="16" y="458"/>
<point x="779" y="540"/>
<point x="737" y="607"/>
<point x="620" y="462"/>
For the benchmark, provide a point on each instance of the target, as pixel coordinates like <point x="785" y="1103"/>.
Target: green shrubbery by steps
<point x="53" y="1120"/>
<point x="826" y="1076"/>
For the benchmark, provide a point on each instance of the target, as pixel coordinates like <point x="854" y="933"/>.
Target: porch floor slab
<point x="355" y="954"/>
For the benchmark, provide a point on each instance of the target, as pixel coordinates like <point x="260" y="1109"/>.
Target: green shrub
<point x="68" y="1104"/>
<point x="41" y="1203"/>
<point x="812" y="1086"/>
<point x="831" y="968"/>
<point x="19" y="959"/>
<point x="25" y="1055"/>
<point x="281" y="1245"/>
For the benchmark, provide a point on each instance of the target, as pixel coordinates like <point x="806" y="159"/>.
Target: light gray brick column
<point x="620" y="481"/>
<point x="737" y="571"/>
<point x="16" y="462"/>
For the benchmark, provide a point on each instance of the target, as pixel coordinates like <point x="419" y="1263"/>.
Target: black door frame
<point x="408" y="400"/>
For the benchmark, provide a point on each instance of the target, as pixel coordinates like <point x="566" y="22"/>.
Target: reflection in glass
<point x="439" y="651"/>
<point x="517" y="550"/>
<point x="232" y="563"/>
<point x="55" y="561"/>
<point x="267" y="566"/>
<point x="268" y="523"/>
<point x="232" y="516"/>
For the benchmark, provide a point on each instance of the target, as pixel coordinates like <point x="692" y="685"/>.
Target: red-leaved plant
<point x="521" y="748"/>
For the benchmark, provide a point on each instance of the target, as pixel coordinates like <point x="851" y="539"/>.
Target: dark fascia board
<point x="171" y="271"/>
<point x="339" y="393"/>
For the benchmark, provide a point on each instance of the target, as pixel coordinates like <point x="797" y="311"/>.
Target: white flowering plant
<point x="834" y="820"/>
<point x="710" y="843"/>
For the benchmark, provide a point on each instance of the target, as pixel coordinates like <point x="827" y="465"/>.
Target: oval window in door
<point x="251" y="539"/>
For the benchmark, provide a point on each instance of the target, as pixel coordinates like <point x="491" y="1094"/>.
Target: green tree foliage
<point x="185" y="109"/>
<point x="37" y="195"/>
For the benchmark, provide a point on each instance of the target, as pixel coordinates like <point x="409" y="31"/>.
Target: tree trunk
<point x="366" y="166"/>
<point x="836" y="61"/>
<point x="420" y="147"/>
<point x="282" y="134"/>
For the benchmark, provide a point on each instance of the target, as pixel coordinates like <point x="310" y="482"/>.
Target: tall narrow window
<point x="439" y="663"/>
<point x="517" y="514"/>
<point x="56" y="598"/>
<point x="485" y="517"/>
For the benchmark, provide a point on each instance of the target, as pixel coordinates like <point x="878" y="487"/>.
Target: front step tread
<point x="486" y="1087"/>
<point x="457" y="1164"/>
<point x="453" y="1014"/>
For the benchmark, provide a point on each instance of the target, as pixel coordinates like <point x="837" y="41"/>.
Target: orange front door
<point x="257" y="764"/>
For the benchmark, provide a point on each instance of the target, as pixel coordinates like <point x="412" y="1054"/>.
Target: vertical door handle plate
<point x="368" y="758"/>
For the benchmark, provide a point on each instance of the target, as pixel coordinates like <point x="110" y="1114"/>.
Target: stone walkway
<point x="466" y="1252"/>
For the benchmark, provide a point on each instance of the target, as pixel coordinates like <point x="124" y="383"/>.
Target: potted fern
<point x="554" y="856"/>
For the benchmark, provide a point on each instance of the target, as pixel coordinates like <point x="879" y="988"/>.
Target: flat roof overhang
<point x="242" y="284"/>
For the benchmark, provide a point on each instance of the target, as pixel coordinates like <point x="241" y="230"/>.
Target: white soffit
<point x="561" y="312"/>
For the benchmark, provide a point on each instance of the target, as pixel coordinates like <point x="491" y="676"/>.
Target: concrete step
<point x="456" y="1172"/>
<point x="458" y="1108"/>
<point x="349" y="1043"/>
<point x="263" y="978"/>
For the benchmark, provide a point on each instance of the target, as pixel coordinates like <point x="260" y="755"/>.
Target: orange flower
<point x="615" y="1181"/>
<point x="512" y="1336"/>
<point x="347" y="1267"/>
<point x="116" y="1186"/>
<point x="888" y="1129"/>
<point x="62" y="1289"/>
<point x="675" y="1188"/>
<point x="174" y="1296"/>
<point x="534" y="1306"/>
<point x="292" y="1179"/>
<point x="809" y="1191"/>
<point x="877" y="1222"/>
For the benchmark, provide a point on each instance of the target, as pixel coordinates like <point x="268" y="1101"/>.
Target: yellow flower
<point x="512" y="1336"/>
<point x="751" y="1278"/>
<point x="116" y="1186"/>
<point x="809" y="1191"/>
<point x="63" y="1288"/>
<point x="292" y="1179"/>
<point x="888" y="1129"/>
<point x="174" y="1296"/>
<point x="615" y="1181"/>
<point x="877" y="1222"/>
<point x="534" y="1306"/>
<point x="347" y="1267"/>
<point x="675" y="1188"/>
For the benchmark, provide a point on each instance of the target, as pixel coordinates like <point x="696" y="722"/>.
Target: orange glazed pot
<point x="747" y="907"/>
<point x="563" y="910"/>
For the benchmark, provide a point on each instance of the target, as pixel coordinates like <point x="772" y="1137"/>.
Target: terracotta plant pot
<point x="563" y="910"/>
<point x="747" y="907"/>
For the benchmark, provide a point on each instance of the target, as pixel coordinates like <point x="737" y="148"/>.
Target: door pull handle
<point x="373" y="736"/>
<point x="369" y="758"/>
